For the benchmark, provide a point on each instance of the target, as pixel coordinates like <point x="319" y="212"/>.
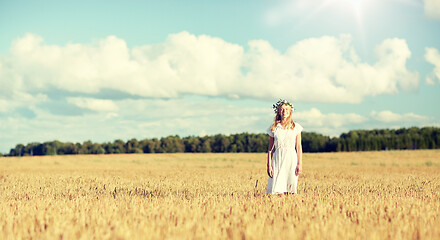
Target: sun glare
<point x="347" y="16"/>
<point x="348" y="8"/>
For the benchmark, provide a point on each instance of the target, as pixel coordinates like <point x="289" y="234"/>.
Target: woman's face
<point x="285" y="111"/>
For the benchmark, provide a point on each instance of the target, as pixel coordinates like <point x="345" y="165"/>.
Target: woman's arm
<point x="299" y="152"/>
<point x="269" y="157"/>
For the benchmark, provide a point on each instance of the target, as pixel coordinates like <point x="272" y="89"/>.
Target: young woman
<point x="284" y="158"/>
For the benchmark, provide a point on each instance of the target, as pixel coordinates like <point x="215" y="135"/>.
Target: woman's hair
<point x="291" y="124"/>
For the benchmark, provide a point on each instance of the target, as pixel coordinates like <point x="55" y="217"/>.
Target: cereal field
<point x="364" y="195"/>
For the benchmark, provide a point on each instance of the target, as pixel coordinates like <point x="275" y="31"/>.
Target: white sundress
<point x="284" y="160"/>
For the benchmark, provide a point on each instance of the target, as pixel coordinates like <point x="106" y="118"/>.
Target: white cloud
<point x="433" y="56"/>
<point x="100" y="105"/>
<point x="183" y="64"/>
<point x="333" y="124"/>
<point x="389" y="117"/>
<point x="325" y="69"/>
<point x="432" y="8"/>
<point x="21" y="100"/>
<point x="12" y="91"/>
<point x="386" y="116"/>
<point x="317" y="119"/>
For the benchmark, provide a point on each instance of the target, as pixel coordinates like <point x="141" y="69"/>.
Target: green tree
<point x="132" y="146"/>
<point x="206" y="145"/>
<point x="118" y="146"/>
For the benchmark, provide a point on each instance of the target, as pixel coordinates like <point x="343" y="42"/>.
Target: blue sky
<point x="106" y="70"/>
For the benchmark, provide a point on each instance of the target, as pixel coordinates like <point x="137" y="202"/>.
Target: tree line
<point x="355" y="140"/>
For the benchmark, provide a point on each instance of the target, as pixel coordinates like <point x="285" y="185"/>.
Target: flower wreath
<point x="281" y="102"/>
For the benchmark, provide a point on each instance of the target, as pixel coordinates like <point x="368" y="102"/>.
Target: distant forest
<point x="356" y="140"/>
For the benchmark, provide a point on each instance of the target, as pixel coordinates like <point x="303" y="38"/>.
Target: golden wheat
<point x="364" y="195"/>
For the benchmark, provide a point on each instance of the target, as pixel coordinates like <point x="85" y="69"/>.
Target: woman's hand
<point x="269" y="170"/>
<point x="299" y="169"/>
